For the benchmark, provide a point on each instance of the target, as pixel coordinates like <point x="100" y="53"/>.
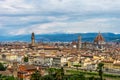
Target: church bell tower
<point x="79" y="43"/>
<point x="33" y="39"/>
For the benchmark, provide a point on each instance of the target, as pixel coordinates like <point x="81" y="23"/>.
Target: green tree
<point x="7" y="77"/>
<point x="91" y="78"/>
<point x="51" y="71"/>
<point x="62" y="72"/>
<point x="47" y="77"/>
<point x="2" y="68"/>
<point x="25" y="59"/>
<point x="100" y="70"/>
<point x="36" y="75"/>
<point x="79" y="76"/>
<point x="2" y="77"/>
<point x="10" y="78"/>
<point x="77" y="66"/>
<point x="58" y="74"/>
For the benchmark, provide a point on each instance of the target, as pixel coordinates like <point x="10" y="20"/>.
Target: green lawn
<point x="95" y="74"/>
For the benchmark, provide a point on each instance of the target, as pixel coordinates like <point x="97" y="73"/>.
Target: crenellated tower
<point x="33" y="39"/>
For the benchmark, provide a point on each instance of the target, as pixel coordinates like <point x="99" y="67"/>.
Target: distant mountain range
<point x="62" y="37"/>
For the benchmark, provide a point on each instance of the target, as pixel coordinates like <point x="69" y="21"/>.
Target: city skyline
<point x="59" y="40"/>
<point x="66" y="16"/>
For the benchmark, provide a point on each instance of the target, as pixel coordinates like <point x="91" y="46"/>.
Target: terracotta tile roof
<point x="107" y="61"/>
<point x="116" y="64"/>
<point x="99" y="38"/>
<point x="26" y="67"/>
<point x="73" y="59"/>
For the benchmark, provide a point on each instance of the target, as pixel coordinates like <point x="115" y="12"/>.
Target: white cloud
<point x="77" y="6"/>
<point x="47" y="16"/>
<point x="14" y="6"/>
<point x="89" y="25"/>
<point x="39" y="28"/>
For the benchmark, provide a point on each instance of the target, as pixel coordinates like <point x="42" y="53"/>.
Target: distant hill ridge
<point x="62" y="37"/>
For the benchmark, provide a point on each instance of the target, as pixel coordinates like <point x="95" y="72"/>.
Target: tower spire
<point x="99" y="33"/>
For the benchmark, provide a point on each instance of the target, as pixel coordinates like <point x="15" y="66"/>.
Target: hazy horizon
<point x="55" y="33"/>
<point x="60" y="37"/>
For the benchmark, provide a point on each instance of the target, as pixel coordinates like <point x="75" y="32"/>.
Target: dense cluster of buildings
<point x="22" y="59"/>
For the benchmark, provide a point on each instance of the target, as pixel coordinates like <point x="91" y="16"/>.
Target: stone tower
<point x="33" y="39"/>
<point x="79" y="43"/>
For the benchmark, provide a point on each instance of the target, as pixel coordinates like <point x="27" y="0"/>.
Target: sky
<point x="19" y="17"/>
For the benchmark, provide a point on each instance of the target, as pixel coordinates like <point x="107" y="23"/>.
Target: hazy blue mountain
<point x="63" y="37"/>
